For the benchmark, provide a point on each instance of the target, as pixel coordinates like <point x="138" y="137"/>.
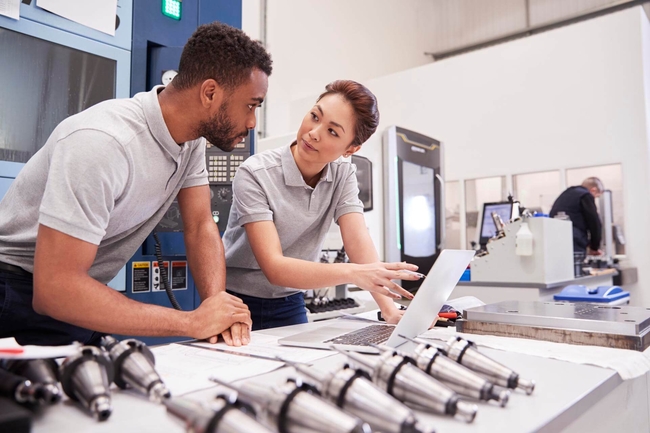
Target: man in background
<point x="579" y="204"/>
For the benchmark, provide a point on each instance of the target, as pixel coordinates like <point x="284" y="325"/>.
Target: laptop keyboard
<point x="373" y="334"/>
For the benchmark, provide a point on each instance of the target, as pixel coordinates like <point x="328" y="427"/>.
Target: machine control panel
<point x="222" y="167"/>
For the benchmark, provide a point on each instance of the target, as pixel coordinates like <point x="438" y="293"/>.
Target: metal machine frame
<point x="42" y="24"/>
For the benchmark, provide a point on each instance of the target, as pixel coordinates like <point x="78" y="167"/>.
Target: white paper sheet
<point x="96" y="14"/>
<point x="10" y="349"/>
<point x="267" y="346"/>
<point x="10" y="8"/>
<point x="628" y="363"/>
<point x="464" y="302"/>
<point x="185" y="368"/>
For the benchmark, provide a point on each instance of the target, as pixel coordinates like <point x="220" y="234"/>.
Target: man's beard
<point x="220" y="131"/>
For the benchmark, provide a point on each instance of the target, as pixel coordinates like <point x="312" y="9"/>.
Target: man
<point x="86" y="201"/>
<point x="578" y="202"/>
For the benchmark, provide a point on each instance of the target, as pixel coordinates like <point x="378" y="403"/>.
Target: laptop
<point x="358" y="336"/>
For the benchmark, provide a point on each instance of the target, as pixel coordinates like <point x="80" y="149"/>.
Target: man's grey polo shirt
<point x="269" y="187"/>
<point x="106" y="176"/>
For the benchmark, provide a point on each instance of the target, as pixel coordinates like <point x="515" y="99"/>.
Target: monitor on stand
<point x="488" y="229"/>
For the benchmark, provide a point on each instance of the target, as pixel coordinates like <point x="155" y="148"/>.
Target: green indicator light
<point x="172" y="9"/>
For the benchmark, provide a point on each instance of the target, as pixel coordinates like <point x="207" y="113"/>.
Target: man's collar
<point x="157" y="125"/>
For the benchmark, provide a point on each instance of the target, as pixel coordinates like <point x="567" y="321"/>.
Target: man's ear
<point x="211" y="94"/>
<point x="351" y="150"/>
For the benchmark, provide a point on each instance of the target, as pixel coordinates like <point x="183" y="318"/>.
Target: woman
<point x="284" y="201"/>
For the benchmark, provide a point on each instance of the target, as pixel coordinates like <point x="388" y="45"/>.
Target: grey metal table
<point x="568" y="397"/>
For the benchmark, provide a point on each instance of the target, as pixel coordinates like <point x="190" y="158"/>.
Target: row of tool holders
<point x="367" y="393"/>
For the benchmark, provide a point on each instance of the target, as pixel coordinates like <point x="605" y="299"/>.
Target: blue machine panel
<point x="8" y="172"/>
<point x="152" y="30"/>
<point x="158" y="42"/>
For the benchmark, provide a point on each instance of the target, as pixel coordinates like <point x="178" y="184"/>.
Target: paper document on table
<point x="185" y="368"/>
<point x="10" y="349"/>
<point x="267" y="346"/>
<point x="628" y="363"/>
<point x="464" y="302"/>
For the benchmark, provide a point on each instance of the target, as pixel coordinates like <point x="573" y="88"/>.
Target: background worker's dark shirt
<point x="578" y="203"/>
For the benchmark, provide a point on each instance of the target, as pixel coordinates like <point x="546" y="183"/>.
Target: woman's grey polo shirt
<point x="269" y="187"/>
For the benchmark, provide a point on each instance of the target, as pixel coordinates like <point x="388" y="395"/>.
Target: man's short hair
<point x="223" y="53"/>
<point x="593" y="182"/>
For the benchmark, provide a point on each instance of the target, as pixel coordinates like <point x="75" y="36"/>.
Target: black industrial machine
<point x="414" y="207"/>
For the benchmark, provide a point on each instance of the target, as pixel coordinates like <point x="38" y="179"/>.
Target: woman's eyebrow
<point x="331" y="122"/>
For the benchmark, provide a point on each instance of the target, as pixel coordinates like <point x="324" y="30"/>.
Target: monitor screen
<point x="364" y="180"/>
<point x="42" y="84"/>
<point x="488" y="229"/>
<point x="419" y="210"/>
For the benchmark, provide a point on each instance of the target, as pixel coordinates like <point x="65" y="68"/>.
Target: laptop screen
<point x="431" y="296"/>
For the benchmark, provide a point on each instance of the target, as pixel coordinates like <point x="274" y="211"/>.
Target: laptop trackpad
<point x="327" y="332"/>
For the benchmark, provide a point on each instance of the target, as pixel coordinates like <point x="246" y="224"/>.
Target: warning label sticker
<point x="140" y="277"/>
<point x="156" y="276"/>
<point x="179" y="275"/>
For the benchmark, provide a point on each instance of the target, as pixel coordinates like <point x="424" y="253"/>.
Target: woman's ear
<point x="351" y="150"/>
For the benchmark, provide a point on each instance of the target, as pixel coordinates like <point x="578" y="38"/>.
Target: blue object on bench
<point x="602" y="294"/>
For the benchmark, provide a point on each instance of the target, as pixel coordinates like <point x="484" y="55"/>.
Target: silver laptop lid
<point x="431" y="295"/>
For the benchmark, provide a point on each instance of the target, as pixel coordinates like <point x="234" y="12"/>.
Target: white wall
<point x="645" y="38"/>
<point x="575" y="96"/>
<point x="313" y="42"/>
<point x="275" y="142"/>
<point x="251" y="19"/>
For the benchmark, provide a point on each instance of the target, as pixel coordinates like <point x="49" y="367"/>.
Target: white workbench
<point x="568" y="397"/>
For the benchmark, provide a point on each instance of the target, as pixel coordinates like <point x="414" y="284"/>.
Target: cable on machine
<point x="163" y="274"/>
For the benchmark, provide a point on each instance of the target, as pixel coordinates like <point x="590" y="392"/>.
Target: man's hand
<point x="217" y="314"/>
<point x="239" y="334"/>
<point x="591" y="252"/>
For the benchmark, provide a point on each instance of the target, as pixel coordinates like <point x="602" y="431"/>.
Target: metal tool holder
<point x="353" y="391"/>
<point x="86" y="377"/>
<point x="398" y="376"/>
<point x="222" y="417"/>
<point x="464" y="381"/>
<point x="42" y="373"/>
<point x="464" y="352"/>
<point x="134" y="367"/>
<point x="296" y="407"/>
